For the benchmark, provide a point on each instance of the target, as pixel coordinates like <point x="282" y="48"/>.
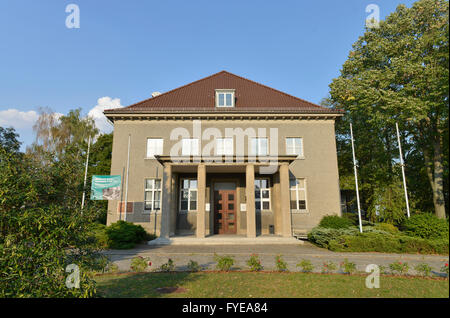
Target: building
<point x="225" y="155"/>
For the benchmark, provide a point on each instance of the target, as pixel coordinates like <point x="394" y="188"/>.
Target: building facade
<point x="224" y="155"/>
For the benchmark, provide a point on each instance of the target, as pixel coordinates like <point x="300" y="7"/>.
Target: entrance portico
<point x="227" y="199"/>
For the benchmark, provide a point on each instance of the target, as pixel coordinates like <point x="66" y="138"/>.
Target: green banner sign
<point x="105" y="188"/>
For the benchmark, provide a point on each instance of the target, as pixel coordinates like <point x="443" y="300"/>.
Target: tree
<point x="399" y="73"/>
<point x="9" y="139"/>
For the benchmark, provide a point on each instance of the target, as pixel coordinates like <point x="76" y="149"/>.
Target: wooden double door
<point x="225" y="212"/>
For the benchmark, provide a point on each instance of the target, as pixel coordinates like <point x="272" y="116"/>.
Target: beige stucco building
<point x="225" y="155"/>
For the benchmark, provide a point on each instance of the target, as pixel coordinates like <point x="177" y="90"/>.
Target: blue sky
<point x="125" y="50"/>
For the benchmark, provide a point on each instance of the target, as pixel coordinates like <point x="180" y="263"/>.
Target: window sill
<point x="300" y="211"/>
<point x="151" y="212"/>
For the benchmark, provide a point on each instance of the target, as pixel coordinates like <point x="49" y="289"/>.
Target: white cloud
<point x="18" y="119"/>
<point x="96" y="113"/>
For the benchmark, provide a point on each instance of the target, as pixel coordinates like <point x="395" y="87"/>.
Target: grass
<point x="266" y="285"/>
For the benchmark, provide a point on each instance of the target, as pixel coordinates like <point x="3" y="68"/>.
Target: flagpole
<point x="403" y="170"/>
<point x="126" y="185"/>
<point x="85" y="175"/>
<point x="356" y="180"/>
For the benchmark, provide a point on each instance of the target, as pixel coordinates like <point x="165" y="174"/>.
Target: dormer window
<point x="224" y="97"/>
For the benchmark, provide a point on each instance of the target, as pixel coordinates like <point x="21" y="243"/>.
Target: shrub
<point x="400" y="268"/>
<point x="423" y="269"/>
<point x="112" y="268"/>
<point x="254" y="263"/>
<point x="167" y="267"/>
<point x="125" y="235"/>
<point x="347" y="267"/>
<point x="444" y="269"/>
<point x="306" y="266"/>
<point x="328" y="267"/>
<point x="224" y="263"/>
<point x="139" y="264"/>
<point x="193" y="266"/>
<point x="387" y="227"/>
<point x="97" y="236"/>
<point x="280" y="264"/>
<point x="374" y="240"/>
<point x="426" y="225"/>
<point x="335" y="222"/>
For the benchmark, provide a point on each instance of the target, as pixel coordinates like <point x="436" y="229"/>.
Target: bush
<point x="399" y="268"/>
<point x="254" y="263"/>
<point x="280" y="264"/>
<point x="423" y="269"/>
<point x="139" y="263"/>
<point x="125" y="235"/>
<point x="306" y="266"/>
<point x="348" y="267"/>
<point x="98" y="236"/>
<point x="328" y="267"/>
<point x="167" y="267"/>
<point x="444" y="269"/>
<point x="387" y="227"/>
<point x="193" y="266"/>
<point x="335" y="222"/>
<point x="224" y="263"/>
<point x="374" y="240"/>
<point x="426" y="225"/>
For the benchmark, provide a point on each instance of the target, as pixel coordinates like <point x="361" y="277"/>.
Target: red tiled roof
<point x="199" y="96"/>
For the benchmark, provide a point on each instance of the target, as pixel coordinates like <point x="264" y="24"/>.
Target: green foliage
<point x="398" y="72"/>
<point x="335" y="222"/>
<point x="193" y="266"/>
<point x="9" y="140"/>
<point x="400" y="268"/>
<point x="387" y="227"/>
<point x="98" y="236"/>
<point x="306" y="266"/>
<point x="426" y="225"/>
<point x="139" y="263"/>
<point x="280" y="264"/>
<point x="347" y="267"/>
<point x="328" y="267"/>
<point x="42" y="229"/>
<point x="125" y="235"/>
<point x="423" y="269"/>
<point x="224" y="263"/>
<point x="444" y="269"/>
<point x="254" y="263"/>
<point x="374" y="240"/>
<point x="167" y="267"/>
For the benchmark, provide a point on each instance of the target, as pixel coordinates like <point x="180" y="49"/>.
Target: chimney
<point x="154" y="94"/>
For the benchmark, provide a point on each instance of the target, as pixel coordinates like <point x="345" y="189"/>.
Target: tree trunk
<point x="435" y="172"/>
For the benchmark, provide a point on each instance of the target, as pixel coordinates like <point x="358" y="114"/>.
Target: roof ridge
<point x="274" y="89"/>
<point x="177" y="88"/>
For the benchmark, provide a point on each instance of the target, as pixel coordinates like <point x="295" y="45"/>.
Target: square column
<point x="201" y="196"/>
<point x="250" y="203"/>
<point x="166" y="201"/>
<point x="285" y="207"/>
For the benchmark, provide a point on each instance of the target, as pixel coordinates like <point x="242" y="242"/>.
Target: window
<point x="224" y="146"/>
<point x="188" y="195"/>
<point x="154" y="147"/>
<point x="225" y="98"/>
<point x="259" y="146"/>
<point x="294" y="146"/>
<point x="152" y="196"/>
<point x="262" y="194"/>
<point x="189" y="147"/>
<point x="298" y="194"/>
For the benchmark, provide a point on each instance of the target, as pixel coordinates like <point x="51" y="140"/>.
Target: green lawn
<point x="247" y="284"/>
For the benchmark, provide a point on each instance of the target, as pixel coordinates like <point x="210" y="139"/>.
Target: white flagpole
<point x="126" y="185"/>
<point x="356" y="181"/>
<point x="85" y="174"/>
<point x="403" y="170"/>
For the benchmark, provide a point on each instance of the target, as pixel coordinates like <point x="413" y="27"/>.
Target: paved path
<point x="292" y="254"/>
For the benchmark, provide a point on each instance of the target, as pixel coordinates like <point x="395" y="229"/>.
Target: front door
<point x="225" y="212"/>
